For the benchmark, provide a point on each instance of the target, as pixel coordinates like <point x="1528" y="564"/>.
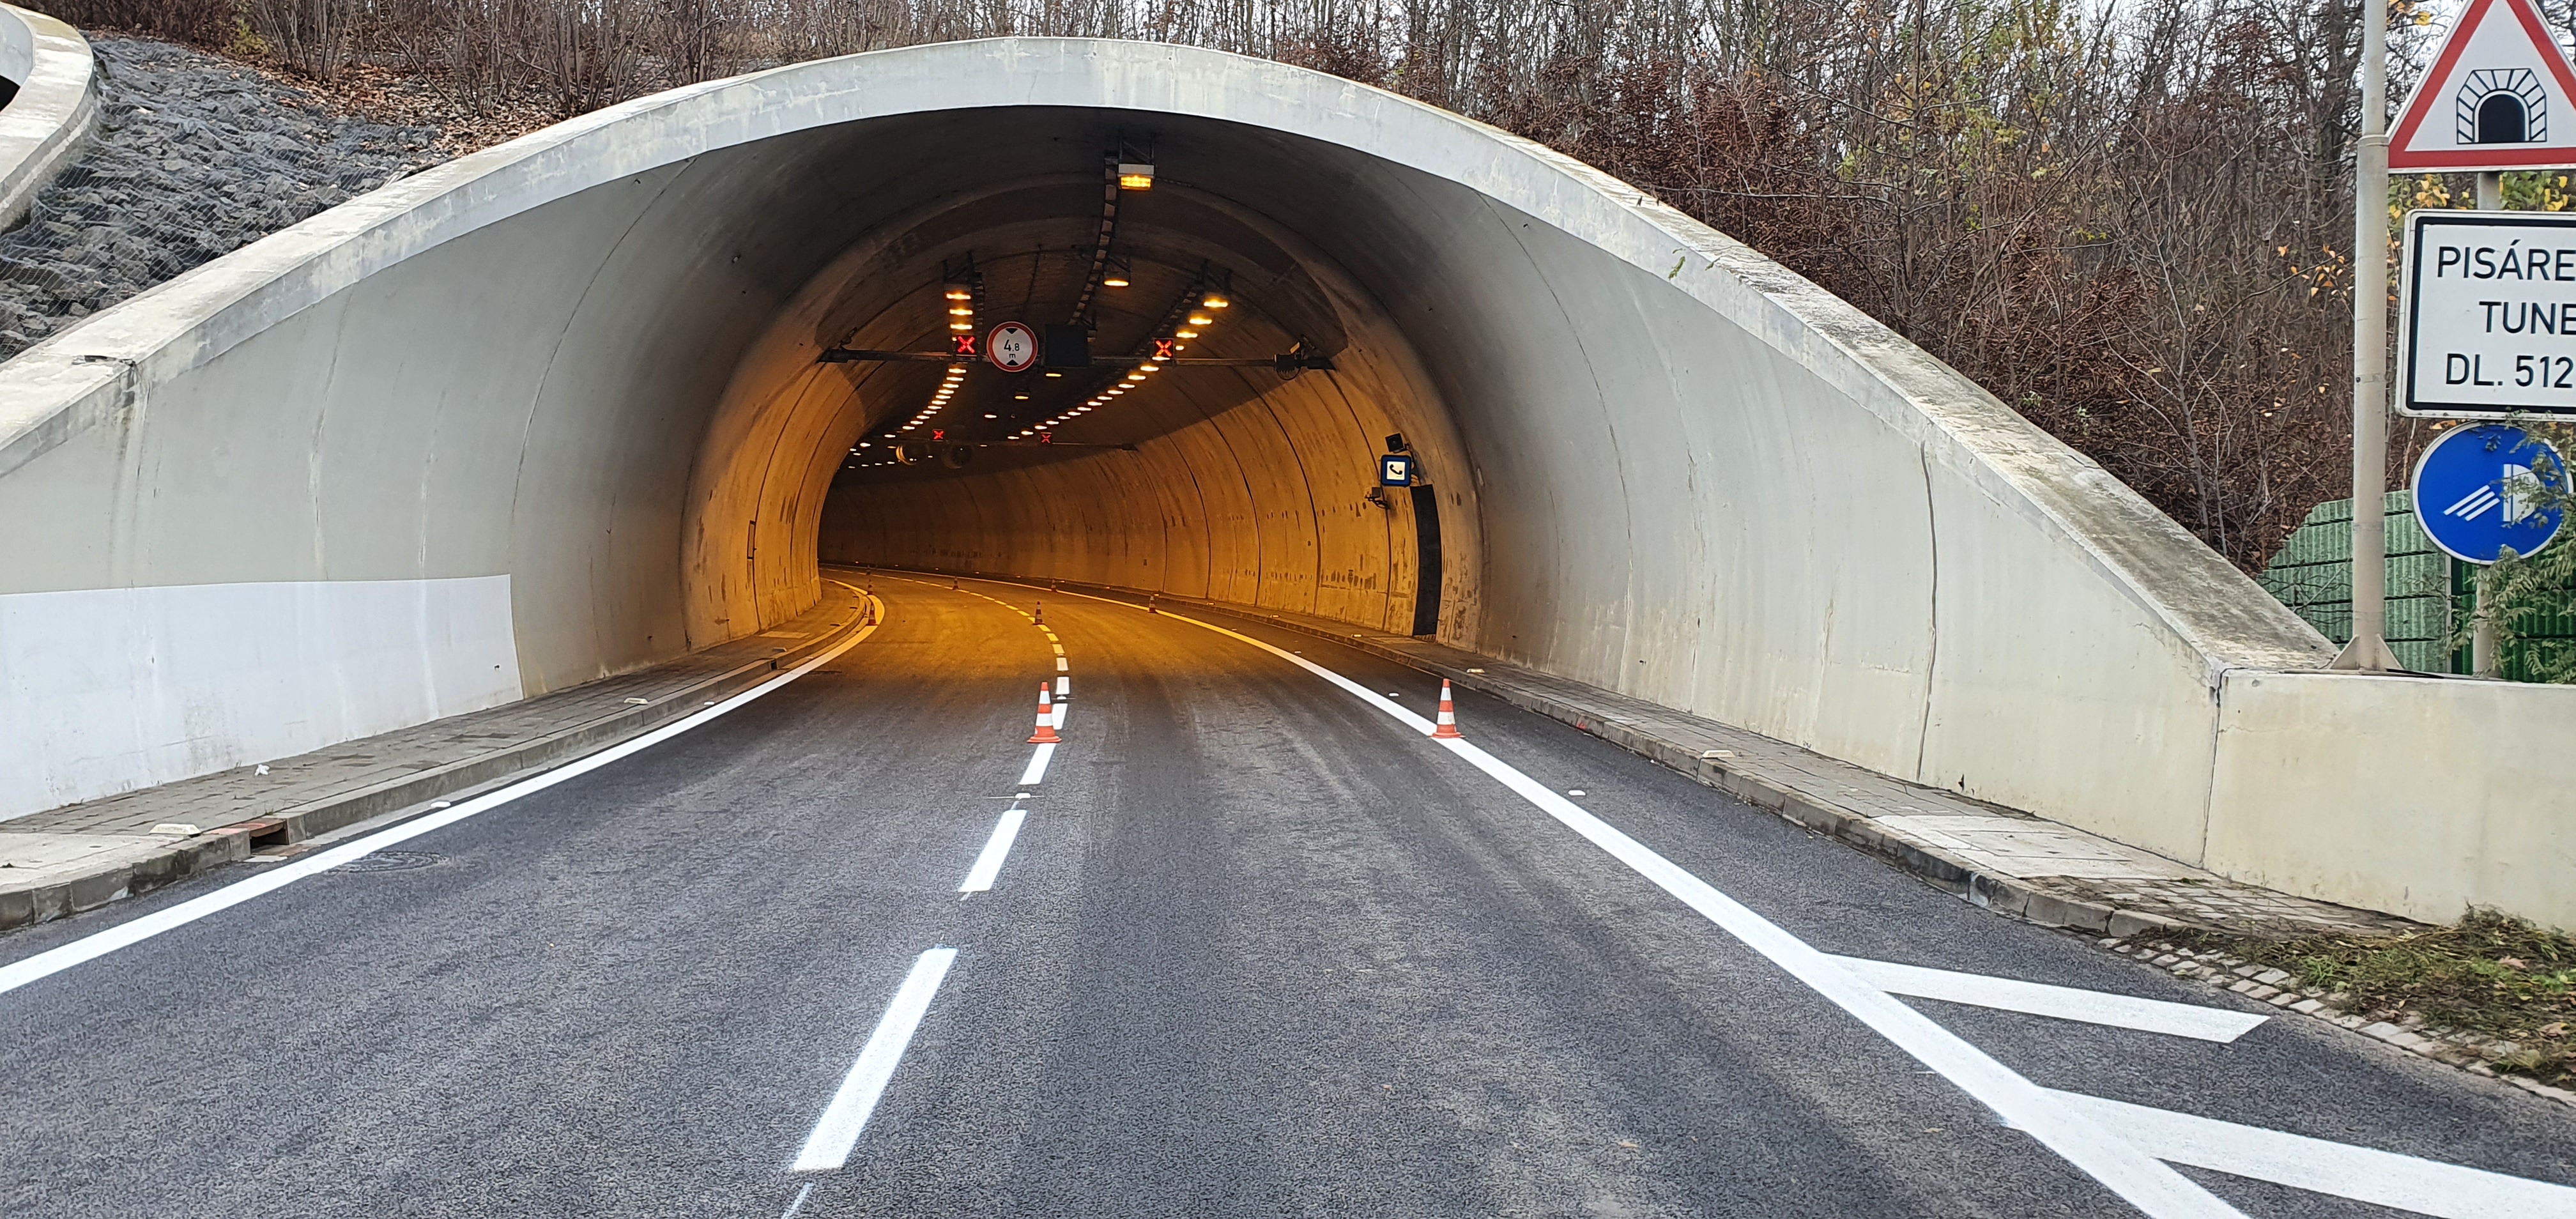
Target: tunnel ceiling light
<point x="960" y="292"/>
<point x="1215" y="300"/>
<point x="1114" y="281"/>
<point x="1019" y="397"/>
<point x="1053" y="375"/>
<point x="1185" y="334"/>
<point x="1201" y="319"/>
<point x="1135" y="175"/>
<point x="992" y="416"/>
<point x="961" y="311"/>
<point x="961" y="327"/>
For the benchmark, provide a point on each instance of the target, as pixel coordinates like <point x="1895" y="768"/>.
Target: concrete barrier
<point x="54" y="112"/>
<point x="565" y="392"/>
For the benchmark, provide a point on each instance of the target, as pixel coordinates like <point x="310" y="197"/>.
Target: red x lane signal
<point x="939" y="433"/>
<point x="1162" y="349"/>
<point x="961" y="345"/>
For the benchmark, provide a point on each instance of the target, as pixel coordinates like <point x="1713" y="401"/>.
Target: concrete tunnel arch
<point x="507" y="426"/>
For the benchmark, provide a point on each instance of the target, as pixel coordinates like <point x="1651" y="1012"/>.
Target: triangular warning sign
<point x="2500" y="96"/>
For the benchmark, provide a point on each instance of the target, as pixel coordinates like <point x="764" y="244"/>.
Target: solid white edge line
<point x="1036" y="773"/>
<point x="988" y="865"/>
<point x="828" y="1147"/>
<point x="1059" y="716"/>
<point x="2142" y="1180"/>
<point x="2062" y="1002"/>
<point x="136" y="930"/>
<point x="2363" y="1174"/>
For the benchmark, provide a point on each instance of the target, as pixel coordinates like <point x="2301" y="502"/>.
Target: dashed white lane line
<point x="979" y="879"/>
<point x="1060" y="666"/>
<point x="136" y="930"/>
<point x="2144" y="1181"/>
<point x="2062" y="1002"/>
<point x="1059" y="648"/>
<point x="828" y="1147"/>
<point x="1036" y="773"/>
<point x="2363" y="1174"/>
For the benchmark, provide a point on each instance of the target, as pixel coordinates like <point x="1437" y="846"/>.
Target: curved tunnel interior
<point x="1208" y="472"/>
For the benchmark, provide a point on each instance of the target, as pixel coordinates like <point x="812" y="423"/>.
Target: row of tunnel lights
<point x="961" y="320"/>
<point x="1199" y="320"/>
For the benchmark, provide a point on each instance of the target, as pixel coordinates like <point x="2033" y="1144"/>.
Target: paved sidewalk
<point x="2039" y="869"/>
<point x="83" y="855"/>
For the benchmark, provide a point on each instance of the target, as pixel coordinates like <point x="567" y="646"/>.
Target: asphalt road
<point x="1258" y="949"/>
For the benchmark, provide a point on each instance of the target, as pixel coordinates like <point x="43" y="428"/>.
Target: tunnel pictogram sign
<point x="2501" y="96"/>
<point x="1012" y="347"/>
<point x="2482" y="489"/>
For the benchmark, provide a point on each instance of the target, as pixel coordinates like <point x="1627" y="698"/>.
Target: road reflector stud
<point x="1046" y="719"/>
<point x="1447" y="728"/>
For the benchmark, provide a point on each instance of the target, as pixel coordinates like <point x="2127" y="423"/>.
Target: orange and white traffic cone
<point x="1039" y="618"/>
<point x="868" y="614"/>
<point x="1046" y="719"/>
<point x="1447" y="728"/>
<point x="1149" y="603"/>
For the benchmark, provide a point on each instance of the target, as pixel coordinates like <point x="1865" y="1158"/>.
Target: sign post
<point x="2368" y="652"/>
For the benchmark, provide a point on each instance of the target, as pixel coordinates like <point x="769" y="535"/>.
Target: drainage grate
<point x="390" y="861"/>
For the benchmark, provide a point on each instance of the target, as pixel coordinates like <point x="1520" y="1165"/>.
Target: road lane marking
<point x="1059" y="649"/>
<point x="2062" y="1002"/>
<point x="799" y="1203"/>
<point x="2144" y="1181"/>
<point x="2363" y="1174"/>
<point x="1060" y="666"/>
<point x="136" y="930"/>
<point x="1038" y="764"/>
<point x="979" y="879"/>
<point x="828" y="1147"/>
<point x="1058" y="722"/>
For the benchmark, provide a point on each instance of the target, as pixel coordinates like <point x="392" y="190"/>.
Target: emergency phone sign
<point x="2487" y="315"/>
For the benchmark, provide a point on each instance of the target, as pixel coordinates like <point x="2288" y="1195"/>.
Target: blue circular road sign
<point x="2481" y="489"/>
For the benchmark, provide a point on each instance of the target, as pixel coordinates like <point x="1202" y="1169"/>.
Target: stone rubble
<point x="195" y="156"/>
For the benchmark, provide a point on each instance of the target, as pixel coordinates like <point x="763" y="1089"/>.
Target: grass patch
<point x="2490" y="974"/>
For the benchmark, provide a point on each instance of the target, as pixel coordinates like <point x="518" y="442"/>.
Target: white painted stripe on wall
<point x="828" y="1147"/>
<point x="2363" y="1174"/>
<point x="106" y="690"/>
<point x="2062" y="1002"/>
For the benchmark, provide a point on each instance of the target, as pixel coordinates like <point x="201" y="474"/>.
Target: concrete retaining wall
<point x="56" y="109"/>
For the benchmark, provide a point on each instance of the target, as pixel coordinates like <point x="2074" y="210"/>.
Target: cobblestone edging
<point x="2468" y="1051"/>
<point x="158" y="859"/>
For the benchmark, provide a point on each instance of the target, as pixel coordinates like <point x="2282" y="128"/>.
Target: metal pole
<point x="2368" y="652"/>
<point x="2482" y="627"/>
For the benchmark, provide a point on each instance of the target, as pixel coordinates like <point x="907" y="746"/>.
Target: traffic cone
<point x="1149" y="603"/>
<point x="1046" y="720"/>
<point x="1039" y="617"/>
<point x="952" y="584"/>
<point x="868" y="614"/>
<point x="1447" y="728"/>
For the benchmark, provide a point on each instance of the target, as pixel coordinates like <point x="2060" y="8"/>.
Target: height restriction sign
<point x="2486" y="315"/>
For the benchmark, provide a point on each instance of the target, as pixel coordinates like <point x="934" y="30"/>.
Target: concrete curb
<point x="55" y="112"/>
<point x="1813" y="810"/>
<point x="232" y="843"/>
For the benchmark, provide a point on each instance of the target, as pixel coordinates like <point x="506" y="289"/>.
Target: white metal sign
<point x="2500" y="96"/>
<point x="2487" y="315"/>
<point x="1012" y="347"/>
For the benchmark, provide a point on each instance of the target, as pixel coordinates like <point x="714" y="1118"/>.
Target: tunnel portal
<point x="596" y="398"/>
